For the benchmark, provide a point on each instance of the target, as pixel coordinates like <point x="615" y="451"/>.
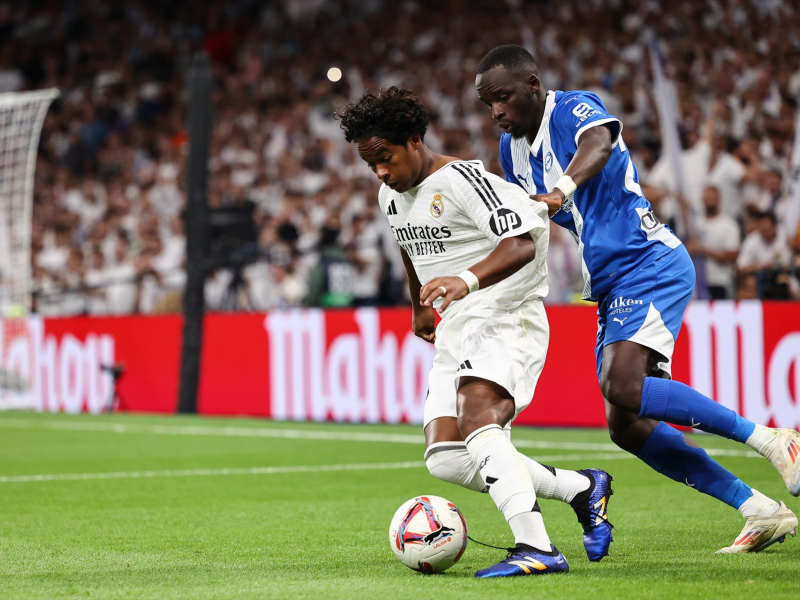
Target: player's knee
<point x="450" y="462"/>
<point x="482" y="405"/>
<point x="469" y="422"/>
<point x="619" y="436"/>
<point x="622" y="392"/>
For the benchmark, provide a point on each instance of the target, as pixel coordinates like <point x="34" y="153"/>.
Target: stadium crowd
<point x="108" y="233"/>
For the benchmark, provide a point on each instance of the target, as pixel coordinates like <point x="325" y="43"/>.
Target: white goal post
<point x="21" y="118"/>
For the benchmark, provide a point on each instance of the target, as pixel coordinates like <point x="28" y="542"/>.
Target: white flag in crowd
<point x="792" y="217"/>
<point x="664" y="94"/>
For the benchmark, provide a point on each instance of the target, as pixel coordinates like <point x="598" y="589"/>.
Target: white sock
<point x="760" y="437"/>
<point x="450" y="462"/>
<point x="555" y="484"/>
<point x="510" y="484"/>
<point x="758" y="504"/>
<point x="524" y="523"/>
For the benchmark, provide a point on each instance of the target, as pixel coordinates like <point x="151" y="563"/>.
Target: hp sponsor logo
<point x="504" y="220"/>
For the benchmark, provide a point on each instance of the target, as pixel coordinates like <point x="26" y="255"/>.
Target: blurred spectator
<point x="730" y="171"/>
<point x="765" y="253"/>
<point x="365" y="256"/>
<point x="112" y="156"/>
<point x="289" y="289"/>
<point x="564" y="269"/>
<point x="772" y="197"/>
<point x="95" y="285"/>
<point x="122" y="291"/>
<point x="746" y="287"/>
<point x="717" y="241"/>
<point x="331" y="279"/>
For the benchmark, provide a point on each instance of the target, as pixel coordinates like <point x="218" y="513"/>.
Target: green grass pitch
<point x="130" y="506"/>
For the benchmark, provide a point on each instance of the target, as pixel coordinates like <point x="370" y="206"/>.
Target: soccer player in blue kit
<point x="564" y="149"/>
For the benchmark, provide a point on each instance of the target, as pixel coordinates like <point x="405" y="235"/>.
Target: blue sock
<point x="667" y="453"/>
<point x="676" y="402"/>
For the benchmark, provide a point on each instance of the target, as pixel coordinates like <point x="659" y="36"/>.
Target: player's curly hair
<point x="392" y="114"/>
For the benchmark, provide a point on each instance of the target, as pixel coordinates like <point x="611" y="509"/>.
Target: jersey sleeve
<point x="579" y="112"/>
<point x="498" y="208"/>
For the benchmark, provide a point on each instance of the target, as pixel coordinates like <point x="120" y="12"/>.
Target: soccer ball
<point x="428" y="534"/>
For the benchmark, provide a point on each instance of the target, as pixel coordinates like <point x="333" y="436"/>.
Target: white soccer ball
<point x="428" y="534"/>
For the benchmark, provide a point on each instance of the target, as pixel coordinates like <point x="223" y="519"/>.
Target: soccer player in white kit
<point x="474" y="247"/>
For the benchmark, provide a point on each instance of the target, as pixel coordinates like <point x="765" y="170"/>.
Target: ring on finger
<point x="444" y="290"/>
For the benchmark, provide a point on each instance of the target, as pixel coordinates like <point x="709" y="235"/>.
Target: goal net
<point x="21" y="118"/>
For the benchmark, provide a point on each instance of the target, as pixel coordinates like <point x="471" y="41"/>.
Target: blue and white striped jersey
<point x="610" y="218"/>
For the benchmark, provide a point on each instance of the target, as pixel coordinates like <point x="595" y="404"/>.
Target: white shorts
<point x="507" y="347"/>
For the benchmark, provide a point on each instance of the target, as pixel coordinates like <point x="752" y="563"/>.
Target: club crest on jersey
<point x="548" y="162"/>
<point x="437" y="206"/>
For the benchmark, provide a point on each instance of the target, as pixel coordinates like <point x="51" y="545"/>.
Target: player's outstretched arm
<point x="423" y="321"/>
<point x="510" y="255"/>
<point x="594" y="150"/>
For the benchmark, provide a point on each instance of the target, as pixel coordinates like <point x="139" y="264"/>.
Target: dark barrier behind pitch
<point x="199" y="82"/>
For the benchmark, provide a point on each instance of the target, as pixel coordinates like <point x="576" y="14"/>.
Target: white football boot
<point x="783" y="451"/>
<point x="763" y="530"/>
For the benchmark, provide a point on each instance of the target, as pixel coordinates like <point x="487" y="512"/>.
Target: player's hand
<point x="553" y="199"/>
<point x="423" y="323"/>
<point x="451" y="288"/>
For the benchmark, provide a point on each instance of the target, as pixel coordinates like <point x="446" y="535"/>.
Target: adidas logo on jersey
<point x="392" y="209"/>
<point x="464" y="365"/>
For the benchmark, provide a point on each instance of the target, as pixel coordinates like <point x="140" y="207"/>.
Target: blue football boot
<point x="527" y="560"/>
<point x="591" y="507"/>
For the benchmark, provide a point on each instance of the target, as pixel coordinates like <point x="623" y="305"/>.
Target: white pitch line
<point x="264" y="432"/>
<point x="264" y="470"/>
<point x="302" y="434"/>
<point x="210" y="472"/>
<point x="297" y="469"/>
<point x="724" y="452"/>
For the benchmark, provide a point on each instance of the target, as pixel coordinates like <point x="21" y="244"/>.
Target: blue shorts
<point x="647" y="308"/>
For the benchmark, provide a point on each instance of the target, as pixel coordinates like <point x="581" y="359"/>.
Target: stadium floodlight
<point x="21" y="118"/>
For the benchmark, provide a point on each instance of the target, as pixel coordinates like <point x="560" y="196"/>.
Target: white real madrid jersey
<point x="457" y="216"/>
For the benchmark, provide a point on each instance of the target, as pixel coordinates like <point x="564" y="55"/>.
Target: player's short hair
<point x="392" y="114"/>
<point x="511" y="57"/>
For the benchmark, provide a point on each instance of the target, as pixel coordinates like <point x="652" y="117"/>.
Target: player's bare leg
<point x="587" y="491"/>
<point x="669" y="452"/>
<point x="627" y="385"/>
<point x="627" y="430"/>
<point x="484" y="408"/>
<point x="447" y="458"/>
